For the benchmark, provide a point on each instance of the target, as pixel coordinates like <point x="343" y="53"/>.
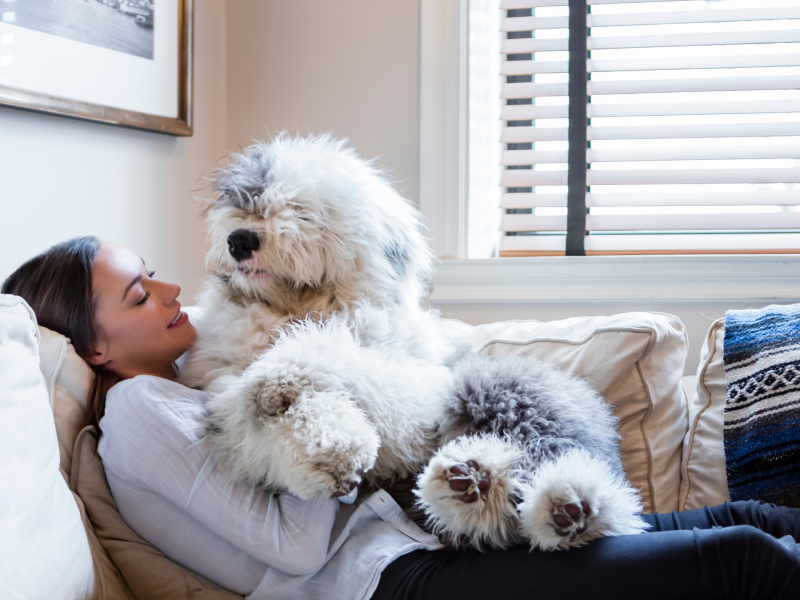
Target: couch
<point x="62" y="536"/>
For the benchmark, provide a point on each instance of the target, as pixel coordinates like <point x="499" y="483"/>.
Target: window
<point x="680" y="121"/>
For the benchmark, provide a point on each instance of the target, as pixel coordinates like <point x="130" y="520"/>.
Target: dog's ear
<point x="242" y="183"/>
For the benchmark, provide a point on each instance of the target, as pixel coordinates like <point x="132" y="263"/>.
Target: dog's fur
<point x="324" y="370"/>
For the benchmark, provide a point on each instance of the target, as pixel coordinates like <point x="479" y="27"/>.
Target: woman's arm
<point x="155" y="438"/>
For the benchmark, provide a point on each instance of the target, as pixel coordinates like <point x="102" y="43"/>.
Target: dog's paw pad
<point x="572" y="519"/>
<point x="470" y="480"/>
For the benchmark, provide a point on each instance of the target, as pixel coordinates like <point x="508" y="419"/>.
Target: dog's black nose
<point x="242" y="243"/>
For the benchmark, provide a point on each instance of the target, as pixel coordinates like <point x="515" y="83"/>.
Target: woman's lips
<point x="182" y="318"/>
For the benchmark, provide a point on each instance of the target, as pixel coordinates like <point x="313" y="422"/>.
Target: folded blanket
<point x="762" y="409"/>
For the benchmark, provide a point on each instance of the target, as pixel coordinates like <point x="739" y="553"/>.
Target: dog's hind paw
<point x="574" y="499"/>
<point x="466" y="490"/>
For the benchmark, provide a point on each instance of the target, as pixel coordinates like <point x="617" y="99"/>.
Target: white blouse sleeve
<point x="154" y="437"/>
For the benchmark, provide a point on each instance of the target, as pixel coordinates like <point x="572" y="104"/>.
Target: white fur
<point x="324" y="369"/>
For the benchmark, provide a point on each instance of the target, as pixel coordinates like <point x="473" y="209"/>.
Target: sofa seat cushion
<point x="44" y="550"/>
<point x="635" y="361"/>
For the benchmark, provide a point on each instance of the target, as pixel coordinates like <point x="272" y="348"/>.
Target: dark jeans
<point x="728" y="551"/>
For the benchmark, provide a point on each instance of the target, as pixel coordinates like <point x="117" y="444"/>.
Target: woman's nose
<point x="171" y="293"/>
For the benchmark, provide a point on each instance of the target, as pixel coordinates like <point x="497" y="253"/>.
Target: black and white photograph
<point x="125" y="26"/>
<point x="102" y="60"/>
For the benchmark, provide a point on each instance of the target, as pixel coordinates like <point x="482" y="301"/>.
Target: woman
<point x="173" y="490"/>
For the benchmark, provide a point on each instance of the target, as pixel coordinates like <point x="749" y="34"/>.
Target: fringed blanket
<point x="762" y="409"/>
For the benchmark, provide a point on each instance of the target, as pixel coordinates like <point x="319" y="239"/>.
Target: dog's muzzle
<point x="242" y="243"/>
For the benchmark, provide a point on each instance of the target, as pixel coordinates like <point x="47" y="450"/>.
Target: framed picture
<point x="122" y="62"/>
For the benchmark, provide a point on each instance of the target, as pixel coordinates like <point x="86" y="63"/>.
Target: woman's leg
<point x="778" y="521"/>
<point x="733" y="562"/>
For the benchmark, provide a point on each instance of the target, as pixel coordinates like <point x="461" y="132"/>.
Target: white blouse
<point x="176" y="492"/>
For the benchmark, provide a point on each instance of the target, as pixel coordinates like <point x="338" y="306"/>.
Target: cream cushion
<point x="44" y="550"/>
<point x="703" y="480"/>
<point x="635" y="361"/>
<point x="69" y="380"/>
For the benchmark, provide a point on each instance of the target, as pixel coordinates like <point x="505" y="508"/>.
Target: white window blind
<point x="693" y="132"/>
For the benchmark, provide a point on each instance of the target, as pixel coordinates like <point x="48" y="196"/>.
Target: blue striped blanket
<point x="762" y="408"/>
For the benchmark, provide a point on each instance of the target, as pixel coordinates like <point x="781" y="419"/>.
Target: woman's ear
<point x="100" y="356"/>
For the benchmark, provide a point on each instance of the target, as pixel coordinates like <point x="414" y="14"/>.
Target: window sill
<point x="694" y="278"/>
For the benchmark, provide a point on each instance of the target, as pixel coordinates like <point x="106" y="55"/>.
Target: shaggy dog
<point x="324" y="370"/>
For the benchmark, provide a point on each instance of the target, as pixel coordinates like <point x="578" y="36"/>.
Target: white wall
<point x="61" y="178"/>
<point x="349" y="67"/>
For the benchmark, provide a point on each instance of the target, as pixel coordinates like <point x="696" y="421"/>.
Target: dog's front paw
<point x="574" y="499"/>
<point x="273" y="387"/>
<point x="328" y="445"/>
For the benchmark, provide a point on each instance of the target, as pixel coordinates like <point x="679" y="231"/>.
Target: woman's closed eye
<point x="143" y="300"/>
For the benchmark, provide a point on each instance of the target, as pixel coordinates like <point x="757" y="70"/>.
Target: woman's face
<point x="141" y="328"/>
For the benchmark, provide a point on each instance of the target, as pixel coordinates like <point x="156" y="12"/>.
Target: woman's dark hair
<point x="57" y="284"/>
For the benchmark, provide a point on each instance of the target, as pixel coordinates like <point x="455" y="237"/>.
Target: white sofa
<point x="60" y="544"/>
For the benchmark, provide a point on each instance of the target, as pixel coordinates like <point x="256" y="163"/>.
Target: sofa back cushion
<point x="44" y="550"/>
<point x="635" y="361"/>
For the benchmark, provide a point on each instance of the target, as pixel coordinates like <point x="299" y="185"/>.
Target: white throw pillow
<point x="44" y="551"/>
<point x="635" y="361"/>
<point x="704" y="482"/>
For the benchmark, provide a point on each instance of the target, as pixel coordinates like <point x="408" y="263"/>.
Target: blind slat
<point x="661" y="18"/>
<point x="521" y="135"/>
<point x="724" y="38"/>
<point x="533" y="23"/>
<point x="692" y="16"/>
<point x="709" y="222"/>
<point x="533" y="90"/>
<point x="533" y="67"/>
<point x="528" y="200"/>
<point x="514" y="4"/>
<point x="529" y="178"/>
<point x="524" y="112"/>
<point x="689" y="176"/>
<point x="538" y="134"/>
<point x="688" y="131"/>
<point x="692" y="108"/>
<point x="531" y="157"/>
<point x="695" y="243"/>
<point x="660" y="86"/>
<point x="654" y="86"/>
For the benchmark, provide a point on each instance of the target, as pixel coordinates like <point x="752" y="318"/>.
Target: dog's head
<point x="304" y="224"/>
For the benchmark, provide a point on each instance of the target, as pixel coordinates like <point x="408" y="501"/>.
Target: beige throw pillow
<point x="131" y="568"/>
<point x="635" y="361"/>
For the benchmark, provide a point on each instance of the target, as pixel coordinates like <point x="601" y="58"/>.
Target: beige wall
<point x="61" y="177"/>
<point x="347" y="67"/>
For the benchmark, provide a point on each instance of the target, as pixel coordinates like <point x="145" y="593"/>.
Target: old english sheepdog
<point x="324" y="371"/>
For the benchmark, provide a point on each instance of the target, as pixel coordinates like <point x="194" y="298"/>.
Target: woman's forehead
<point x="115" y="266"/>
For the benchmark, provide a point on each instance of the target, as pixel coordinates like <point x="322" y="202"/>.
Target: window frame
<point x="444" y="142"/>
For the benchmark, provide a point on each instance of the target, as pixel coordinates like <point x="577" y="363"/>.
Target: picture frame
<point x="125" y="63"/>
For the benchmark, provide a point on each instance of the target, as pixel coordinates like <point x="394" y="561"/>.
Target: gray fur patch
<point x="245" y="180"/>
<point x="546" y="410"/>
